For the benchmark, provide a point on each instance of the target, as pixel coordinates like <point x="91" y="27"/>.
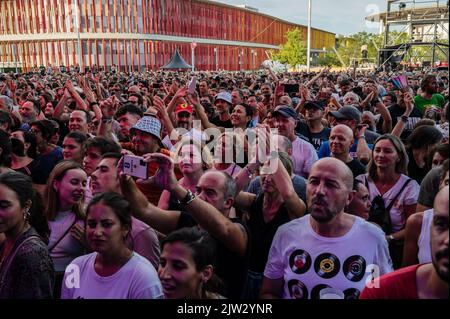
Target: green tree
<point x="294" y="51"/>
<point x="329" y="58"/>
<point x="350" y="46"/>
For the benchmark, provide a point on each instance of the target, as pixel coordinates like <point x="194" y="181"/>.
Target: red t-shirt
<point x="400" y="284"/>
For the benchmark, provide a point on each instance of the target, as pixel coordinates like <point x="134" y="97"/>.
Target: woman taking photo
<point x="64" y="198"/>
<point x="112" y="271"/>
<point x="276" y="205"/>
<point x="193" y="161"/>
<point x="186" y="267"/>
<point x="391" y="191"/>
<point x="26" y="269"/>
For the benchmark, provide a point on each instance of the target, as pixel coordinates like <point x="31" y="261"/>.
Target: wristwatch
<point x="188" y="198"/>
<point x="390" y="238"/>
<point x="107" y="119"/>
<point x="404" y="118"/>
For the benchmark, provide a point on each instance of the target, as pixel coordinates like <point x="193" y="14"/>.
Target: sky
<point x="338" y="16"/>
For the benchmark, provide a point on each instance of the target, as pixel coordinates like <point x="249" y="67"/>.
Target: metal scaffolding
<point x="426" y="23"/>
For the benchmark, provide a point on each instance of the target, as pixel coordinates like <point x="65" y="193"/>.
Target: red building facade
<point x="140" y="34"/>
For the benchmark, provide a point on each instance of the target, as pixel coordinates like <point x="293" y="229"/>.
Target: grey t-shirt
<point x="298" y="182"/>
<point x="429" y="187"/>
<point x="371" y="137"/>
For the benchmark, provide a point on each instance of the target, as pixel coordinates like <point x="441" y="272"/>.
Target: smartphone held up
<point x="135" y="166"/>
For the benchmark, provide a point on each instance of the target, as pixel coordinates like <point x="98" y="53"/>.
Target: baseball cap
<point x="347" y="113"/>
<point x="285" y="111"/>
<point x="314" y="104"/>
<point x="184" y="108"/>
<point x="149" y="124"/>
<point x="225" y="96"/>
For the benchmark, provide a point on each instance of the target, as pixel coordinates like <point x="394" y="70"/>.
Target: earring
<point x="27" y="214"/>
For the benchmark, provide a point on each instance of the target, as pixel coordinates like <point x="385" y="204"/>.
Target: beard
<point x="431" y="90"/>
<point x="324" y="214"/>
<point x="441" y="270"/>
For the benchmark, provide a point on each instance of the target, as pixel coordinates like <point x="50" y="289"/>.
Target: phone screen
<point x="192" y="85"/>
<point x="135" y="166"/>
<point x="291" y="88"/>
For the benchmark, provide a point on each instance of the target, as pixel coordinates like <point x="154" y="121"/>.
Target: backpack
<point x="379" y="213"/>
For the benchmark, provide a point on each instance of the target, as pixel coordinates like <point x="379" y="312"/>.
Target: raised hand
<point x="69" y="85"/>
<point x="109" y="106"/>
<point x="182" y="92"/>
<point x="165" y="176"/>
<point x="193" y="99"/>
<point x="409" y="102"/>
<point x="361" y="130"/>
<point x="262" y="110"/>
<point x="78" y="233"/>
<point x="160" y="106"/>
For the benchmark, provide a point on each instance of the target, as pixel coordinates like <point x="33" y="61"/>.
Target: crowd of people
<point x="244" y="185"/>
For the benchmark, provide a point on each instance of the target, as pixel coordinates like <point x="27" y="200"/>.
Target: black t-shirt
<point x="414" y="171"/>
<point x="396" y="113"/>
<point x="316" y="139"/>
<point x="44" y="165"/>
<point x="225" y="124"/>
<point x="263" y="233"/>
<point x="30" y="170"/>
<point x="231" y="267"/>
<point x="356" y="167"/>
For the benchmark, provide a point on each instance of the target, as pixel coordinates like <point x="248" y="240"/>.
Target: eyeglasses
<point x="35" y="132"/>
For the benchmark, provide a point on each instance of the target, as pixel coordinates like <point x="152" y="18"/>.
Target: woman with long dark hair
<point x="26" y="269"/>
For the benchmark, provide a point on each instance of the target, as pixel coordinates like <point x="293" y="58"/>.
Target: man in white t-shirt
<point x="328" y="248"/>
<point x="303" y="153"/>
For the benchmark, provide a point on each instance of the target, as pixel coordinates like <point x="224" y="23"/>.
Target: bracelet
<point x="249" y="172"/>
<point x="404" y="118"/>
<point x="106" y="119"/>
<point x="93" y="103"/>
<point x="188" y="198"/>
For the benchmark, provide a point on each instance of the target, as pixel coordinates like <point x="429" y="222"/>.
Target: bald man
<point x="341" y="140"/>
<point x="422" y="281"/>
<point x="327" y="248"/>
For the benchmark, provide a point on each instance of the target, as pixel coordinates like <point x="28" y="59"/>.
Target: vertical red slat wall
<point x="188" y="18"/>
